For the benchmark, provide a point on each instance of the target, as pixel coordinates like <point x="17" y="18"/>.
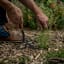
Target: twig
<point x="56" y="60"/>
<point x="37" y="57"/>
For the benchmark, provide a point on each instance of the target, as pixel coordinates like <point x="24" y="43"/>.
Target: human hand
<point x="42" y="19"/>
<point x="15" y="16"/>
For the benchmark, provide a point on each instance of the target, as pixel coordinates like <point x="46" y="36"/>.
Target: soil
<point x="16" y="52"/>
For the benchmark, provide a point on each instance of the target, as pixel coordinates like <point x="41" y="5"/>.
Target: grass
<point x="43" y="40"/>
<point x="55" y="54"/>
<point x="23" y="60"/>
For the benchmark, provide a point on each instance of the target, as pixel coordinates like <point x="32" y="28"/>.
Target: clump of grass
<point x="60" y="23"/>
<point x="23" y="60"/>
<point x="54" y="54"/>
<point x="43" y="40"/>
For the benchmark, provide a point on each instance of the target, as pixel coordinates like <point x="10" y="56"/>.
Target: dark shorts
<point x="3" y="20"/>
<point x="3" y="33"/>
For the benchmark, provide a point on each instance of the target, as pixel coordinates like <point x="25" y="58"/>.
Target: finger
<point x="21" y="23"/>
<point x="45" y="25"/>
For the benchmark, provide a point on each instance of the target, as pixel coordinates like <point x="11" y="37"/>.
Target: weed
<point x="54" y="54"/>
<point x="43" y="40"/>
<point x="23" y="60"/>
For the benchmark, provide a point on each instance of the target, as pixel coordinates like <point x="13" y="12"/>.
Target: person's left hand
<point x="42" y="19"/>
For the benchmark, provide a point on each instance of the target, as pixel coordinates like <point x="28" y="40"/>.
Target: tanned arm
<point x="5" y="4"/>
<point x="13" y="12"/>
<point x="31" y="5"/>
<point x="40" y="16"/>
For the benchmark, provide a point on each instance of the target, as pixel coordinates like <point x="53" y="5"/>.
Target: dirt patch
<point x="17" y="52"/>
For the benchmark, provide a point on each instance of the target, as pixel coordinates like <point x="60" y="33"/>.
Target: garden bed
<point x="17" y="53"/>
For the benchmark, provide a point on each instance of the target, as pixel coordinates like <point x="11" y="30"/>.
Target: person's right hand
<point x="15" y="15"/>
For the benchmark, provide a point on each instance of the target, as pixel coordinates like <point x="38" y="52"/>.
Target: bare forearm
<point x="31" y="5"/>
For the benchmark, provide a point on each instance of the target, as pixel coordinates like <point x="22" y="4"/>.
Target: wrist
<point x="38" y="11"/>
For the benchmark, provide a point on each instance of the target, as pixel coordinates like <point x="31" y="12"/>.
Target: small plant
<point x="60" y="24"/>
<point x="23" y="59"/>
<point x="43" y="40"/>
<point x="54" y="54"/>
